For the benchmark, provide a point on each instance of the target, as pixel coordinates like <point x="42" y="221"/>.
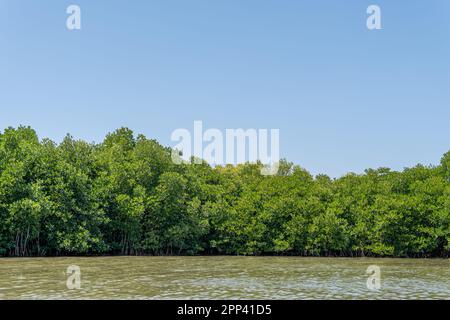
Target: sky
<point x="344" y="98"/>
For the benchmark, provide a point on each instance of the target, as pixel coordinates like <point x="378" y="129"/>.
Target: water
<point x="223" y="278"/>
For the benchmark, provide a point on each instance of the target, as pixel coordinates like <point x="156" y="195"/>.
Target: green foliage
<point x="125" y="196"/>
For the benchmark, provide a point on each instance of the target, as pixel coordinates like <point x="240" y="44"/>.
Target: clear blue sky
<point x="344" y="98"/>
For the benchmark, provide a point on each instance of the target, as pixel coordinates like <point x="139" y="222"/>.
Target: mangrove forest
<point x="125" y="196"/>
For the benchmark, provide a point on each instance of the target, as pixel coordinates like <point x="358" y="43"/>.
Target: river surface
<point x="221" y="278"/>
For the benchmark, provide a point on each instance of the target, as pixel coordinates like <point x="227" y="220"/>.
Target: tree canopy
<point x="126" y="196"/>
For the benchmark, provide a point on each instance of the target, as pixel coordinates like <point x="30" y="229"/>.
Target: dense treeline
<point x="125" y="196"/>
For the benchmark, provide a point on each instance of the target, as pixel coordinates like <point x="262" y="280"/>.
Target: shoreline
<point x="227" y="256"/>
